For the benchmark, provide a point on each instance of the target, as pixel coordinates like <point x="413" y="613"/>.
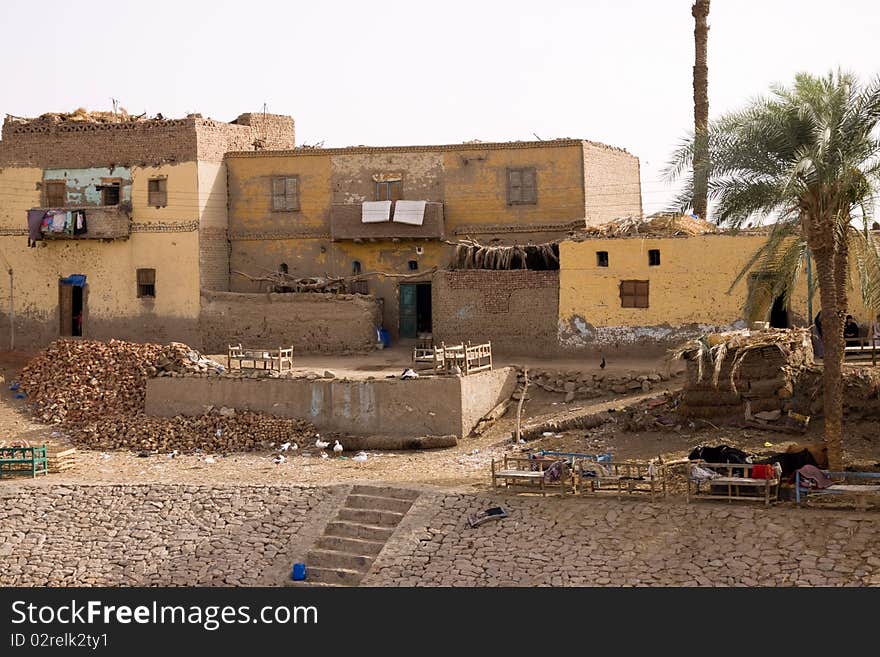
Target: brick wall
<point x="83" y="144"/>
<point x="612" y="186"/>
<point x="312" y="323"/>
<point x="213" y="259"/>
<point x="516" y="310"/>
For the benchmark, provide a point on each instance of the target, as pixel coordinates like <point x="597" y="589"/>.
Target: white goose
<point x="321" y="444"/>
<point x="360" y="458"/>
<point x="337" y="448"/>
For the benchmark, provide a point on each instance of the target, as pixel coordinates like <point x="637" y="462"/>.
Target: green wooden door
<point x="408" y="305"/>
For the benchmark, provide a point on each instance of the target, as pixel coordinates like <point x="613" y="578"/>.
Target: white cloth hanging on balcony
<point x="375" y="212"/>
<point x="410" y="212"/>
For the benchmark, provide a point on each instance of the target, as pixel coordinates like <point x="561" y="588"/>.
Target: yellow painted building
<point x="300" y="210"/>
<point x="153" y="197"/>
<point x="619" y="292"/>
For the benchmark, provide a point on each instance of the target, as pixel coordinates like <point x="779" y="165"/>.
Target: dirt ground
<point x="464" y="467"/>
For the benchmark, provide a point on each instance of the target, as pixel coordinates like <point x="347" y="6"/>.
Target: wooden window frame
<point x="602" y="259"/>
<point x="518" y="193"/>
<point x="388" y="190"/>
<point x="46" y="197"/>
<point x="290" y="201"/>
<point x="146" y="282"/>
<point x="651" y="262"/>
<point x="157" y="198"/>
<point x="634" y="294"/>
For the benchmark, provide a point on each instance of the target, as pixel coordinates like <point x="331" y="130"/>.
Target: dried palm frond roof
<point x="79" y="115"/>
<point x="656" y="225"/>
<point x="711" y="351"/>
<point x="470" y="254"/>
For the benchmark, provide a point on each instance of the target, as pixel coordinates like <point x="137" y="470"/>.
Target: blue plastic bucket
<point x="299" y="572"/>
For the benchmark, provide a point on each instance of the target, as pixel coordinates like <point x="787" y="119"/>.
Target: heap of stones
<point x="96" y="391"/>
<point x="586" y="385"/>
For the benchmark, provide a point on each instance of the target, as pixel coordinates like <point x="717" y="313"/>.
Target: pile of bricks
<point x="96" y="390"/>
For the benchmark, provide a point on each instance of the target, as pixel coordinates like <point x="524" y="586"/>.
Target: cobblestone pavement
<point x="156" y="535"/>
<point x="160" y="534"/>
<point x="606" y="542"/>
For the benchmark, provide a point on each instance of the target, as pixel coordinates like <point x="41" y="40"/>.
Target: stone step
<point x="377" y="503"/>
<point x="310" y="583"/>
<point x="370" y="517"/>
<point x="358" y="530"/>
<point x="339" y="560"/>
<point x="385" y="491"/>
<point x="350" y="545"/>
<point x="337" y="576"/>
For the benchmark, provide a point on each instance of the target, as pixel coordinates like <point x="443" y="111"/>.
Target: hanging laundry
<point x="35" y="223"/>
<point x="68" y="222"/>
<point x="79" y="223"/>
<point x="59" y="219"/>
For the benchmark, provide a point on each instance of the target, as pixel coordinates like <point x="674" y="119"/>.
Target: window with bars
<point x="633" y="294"/>
<point x="157" y="194"/>
<point x="56" y="193"/>
<point x="146" y="283"/>
<point x="389" y="190"/>
<point x="522" y="186"/>
<point x="285" y="193"/>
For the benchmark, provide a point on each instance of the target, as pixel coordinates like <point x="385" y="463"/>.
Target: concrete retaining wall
<point x="428" y="406"/>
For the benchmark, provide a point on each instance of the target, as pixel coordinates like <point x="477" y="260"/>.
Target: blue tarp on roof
<point x="78" y="280"/>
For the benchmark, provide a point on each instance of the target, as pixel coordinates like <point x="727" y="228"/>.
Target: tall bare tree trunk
<point x="832" y="359"/>
<point x="700" y="12"/>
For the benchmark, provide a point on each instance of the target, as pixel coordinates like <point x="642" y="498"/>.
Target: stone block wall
<point x="516" y="310"/>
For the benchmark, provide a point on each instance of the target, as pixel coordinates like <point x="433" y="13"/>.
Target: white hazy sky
<point x="405" y="72"/>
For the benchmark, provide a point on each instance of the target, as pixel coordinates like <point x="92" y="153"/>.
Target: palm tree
<point x="700" y="12"/>
<point x="809" y="156"/>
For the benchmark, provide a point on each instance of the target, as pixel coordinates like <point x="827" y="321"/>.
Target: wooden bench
<point x="861" y="492"/>
<point x="728" y="486"/>
<point x="861" y="348"/>
<point x="530" y="472"/>
<point x="279" y="359"/>
<point x="24" y="460"/>
<point x="623" y="476"/>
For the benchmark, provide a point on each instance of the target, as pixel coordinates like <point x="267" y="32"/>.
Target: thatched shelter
<point x="739" y="373"/>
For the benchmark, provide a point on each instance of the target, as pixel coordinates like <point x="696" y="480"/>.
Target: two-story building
<point x="320" y="212"/>
<point x="110" y="228"/>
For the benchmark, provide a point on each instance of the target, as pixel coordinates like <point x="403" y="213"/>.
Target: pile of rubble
<point x="178" y="358"/>
<point x="586" y="385"/>
<point x="656" y="225"/>
<point x="96" y="391"/>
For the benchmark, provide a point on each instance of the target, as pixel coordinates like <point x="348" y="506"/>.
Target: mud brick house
<point x="302" y="211"/>
<point x="150" y="196"/>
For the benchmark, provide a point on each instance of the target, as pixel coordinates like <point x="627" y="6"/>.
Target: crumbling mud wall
<point x="311" y="322"/>
<point x="515" y="310"/>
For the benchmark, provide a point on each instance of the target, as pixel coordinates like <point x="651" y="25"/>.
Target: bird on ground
<point x="324" y="455"/>
<point x="278" y="460"/>
<point x="321" y="444"/>
<point x="286" y="446"/>
<point x="602" y="364"/>
<point x="361" y="457"/>
<point x="337" y="448"/>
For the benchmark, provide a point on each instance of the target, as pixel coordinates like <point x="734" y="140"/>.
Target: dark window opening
<point x="56" y="193"/>
<point x="413" y="265"/>
<point x="283" y="268"/>
<point x="654" y="257"/>
<point x="109" y="194"/>
<point x="522" y="186"/>
<point x="146" y="283"/>
<point x="601" y="258"/>
<point x="157" y="192"/>
<point x="389" y="190"/>
<point x="633" y="294"/>
<point x="875" y="226"/>
<point x="356" y="267"/>
<point x="285" y="193"/>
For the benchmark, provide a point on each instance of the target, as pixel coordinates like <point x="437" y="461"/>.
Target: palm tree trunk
<point x="700" y="12"/>
<point x="832" y="359"/>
